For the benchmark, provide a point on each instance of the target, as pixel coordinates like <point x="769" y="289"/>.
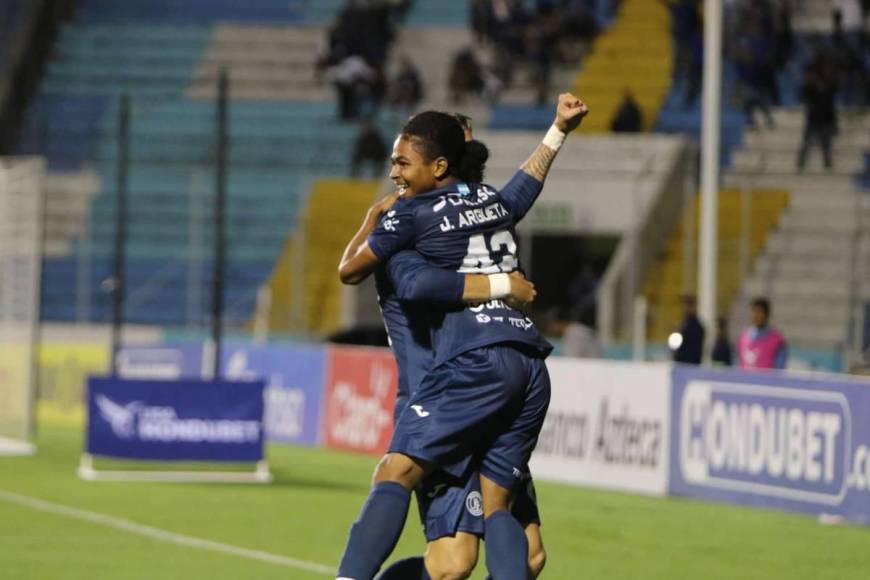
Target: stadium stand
<point x="634" y="54"/>
<point x="334" y="209"/>
<point x="673" y="275"/>
<point x="165" y="55"/>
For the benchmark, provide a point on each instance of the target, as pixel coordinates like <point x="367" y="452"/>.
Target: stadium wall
<point x="793" y="441"/>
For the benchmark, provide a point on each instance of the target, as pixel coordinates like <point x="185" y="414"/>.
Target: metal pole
<point x="708" y="251"/>
<point x="118" y="273"/>
<point x="220" y="202"/>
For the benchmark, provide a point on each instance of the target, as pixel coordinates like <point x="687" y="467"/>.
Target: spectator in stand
<point x="406" y="88"/>
<point x="541" y="39"/>
<point x="761" y="346"/>
<point x="685" y="24"/>
<point x="690" y="346"/>
<point x="820" y="115"/>
<point x="847" y="54"/>
<point x="369" y="148"/>
<point x="466" y="77"/>
<point x="629" y="117"/>
<point x="754" y="55"/>
<point x="482" y="19"/>
<point x="353" y="79"/>
<point x="695" y="78"/>
<point x="722" y="354"/>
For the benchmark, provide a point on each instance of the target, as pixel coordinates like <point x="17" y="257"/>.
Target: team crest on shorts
<point x="474" y="503"/>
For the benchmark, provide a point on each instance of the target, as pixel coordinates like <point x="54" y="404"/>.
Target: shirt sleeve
<point x="781" y="356"/>
<point x="415" y="279"/>
<point x="395" y="232"/>
<point x="520" y="194"/>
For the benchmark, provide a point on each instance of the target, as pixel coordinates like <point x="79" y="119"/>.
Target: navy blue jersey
<point x="402" y="284"/>
<point x="468" y="228"/>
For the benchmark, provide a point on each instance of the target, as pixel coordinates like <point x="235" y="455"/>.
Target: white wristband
<point x="499" y="286"/>
<point x="554" y="138"/>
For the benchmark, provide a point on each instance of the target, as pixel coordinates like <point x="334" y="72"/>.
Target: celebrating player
<point x="488" y="390"/>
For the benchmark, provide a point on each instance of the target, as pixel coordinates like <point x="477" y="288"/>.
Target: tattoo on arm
<point x="538" y="165"/>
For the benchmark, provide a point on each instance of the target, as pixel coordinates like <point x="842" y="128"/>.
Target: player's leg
<point x="447" y="558"/>
<point x="377" y="529"/>
<point x="537" y="554"/>
<point x="452" y="518"/>
<point x="505" y="464"/>
<point x="525" y="509"/>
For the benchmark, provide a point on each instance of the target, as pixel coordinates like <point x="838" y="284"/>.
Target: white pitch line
<point x="162" y="535"/>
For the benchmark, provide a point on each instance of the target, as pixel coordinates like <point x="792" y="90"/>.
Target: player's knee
<point x="456" y="564"/>
<point x="537" y="560"/>
<point x="400" y="469"/>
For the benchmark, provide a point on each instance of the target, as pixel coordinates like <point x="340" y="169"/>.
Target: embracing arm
<point x="358" y="260"/>
<point x="415" y="279"/>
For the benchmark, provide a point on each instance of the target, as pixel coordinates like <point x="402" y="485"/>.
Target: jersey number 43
<point x="490" y="253"/>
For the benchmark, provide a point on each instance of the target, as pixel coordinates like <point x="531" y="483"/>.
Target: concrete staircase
<point x="816" y="267"/>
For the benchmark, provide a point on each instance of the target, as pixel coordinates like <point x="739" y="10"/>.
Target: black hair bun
<point x="473" y="162"/>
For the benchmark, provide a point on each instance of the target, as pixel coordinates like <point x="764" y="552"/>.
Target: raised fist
<point x="569" y="112"/>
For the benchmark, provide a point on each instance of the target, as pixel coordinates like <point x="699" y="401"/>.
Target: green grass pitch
<point x="305" y="515"/>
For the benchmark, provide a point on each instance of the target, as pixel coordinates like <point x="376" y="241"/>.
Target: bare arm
<point x="569" y="114"/>
<point x="478" y="288"/>
<point x="358" y="260"/>
<point x="538" y="165"/>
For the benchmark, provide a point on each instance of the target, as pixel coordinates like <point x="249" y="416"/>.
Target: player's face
<point x="410" y="171"/>
<point x="759" y="318"/>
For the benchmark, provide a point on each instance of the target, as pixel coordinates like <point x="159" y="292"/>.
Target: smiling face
<point x="410" y="170"/>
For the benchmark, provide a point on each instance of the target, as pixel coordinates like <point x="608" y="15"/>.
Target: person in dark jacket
<point x="722" y="353"/>
<point x="691" y="347"/>
<point x="820" y="115"/>
<point x="629" y="117"/>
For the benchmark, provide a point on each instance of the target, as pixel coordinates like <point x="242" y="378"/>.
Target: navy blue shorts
<point x="448" y="506"/>
<point x="488" y="403"/>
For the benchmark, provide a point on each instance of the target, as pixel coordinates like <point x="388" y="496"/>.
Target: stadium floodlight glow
<point x="675" y="340"/>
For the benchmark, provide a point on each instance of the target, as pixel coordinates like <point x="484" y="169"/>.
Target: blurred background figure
<point x="761" y="346"/>
<point x="629" y="117"/>
<point x="578" y="337"/>
<point x="690" y="346"/>
<point x="820" y="114"/>
<point x="722" y="353"/>
<point x="466" y="77"/>
<point x="406" y="88"/>
<point x="369" y="148"/>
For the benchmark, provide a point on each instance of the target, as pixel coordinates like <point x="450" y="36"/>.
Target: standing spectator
<point x="629" y="117"/>
<point x="406" y="89"/>
<point x="722" y="354"/>
<point x="351" y="77"/>
<point x="691" y="347"/>
<point x="685" y="24"/>
<point x="466" y="76"/>
<point x="755" y="56"/>
<point x="761" y="346"/>
<point x="482" y="18"/>
<point x="370" y="148"/>
<point x="820" y="115"/>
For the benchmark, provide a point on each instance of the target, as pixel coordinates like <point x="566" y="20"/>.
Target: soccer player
<point x="488" y="390"/>
<point x="450" y="508"/>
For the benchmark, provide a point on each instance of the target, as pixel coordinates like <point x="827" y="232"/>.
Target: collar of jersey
<point x="458" y="187"/>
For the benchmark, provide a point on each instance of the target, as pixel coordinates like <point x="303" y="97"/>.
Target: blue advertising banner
<point x="772" y="440"/>
<point x="294" y="376"/>
<point x="168" y="361"/>
<point x="188" y="420"/>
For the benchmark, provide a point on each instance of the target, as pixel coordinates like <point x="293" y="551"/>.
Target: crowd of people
<point x="537" y="36"/>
